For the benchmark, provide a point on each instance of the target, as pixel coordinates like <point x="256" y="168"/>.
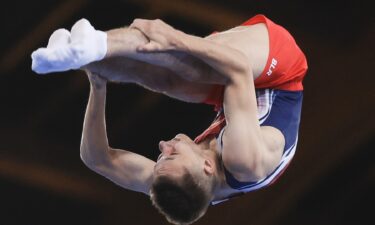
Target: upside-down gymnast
<point x="251" y="73"/>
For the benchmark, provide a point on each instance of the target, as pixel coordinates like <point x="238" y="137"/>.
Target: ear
<point x="208" y="167"/>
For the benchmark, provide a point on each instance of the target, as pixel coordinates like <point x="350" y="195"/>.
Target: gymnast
<point x="252" y="74"/>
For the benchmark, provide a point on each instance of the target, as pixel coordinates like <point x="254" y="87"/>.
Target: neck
<point x="210" y="149"/>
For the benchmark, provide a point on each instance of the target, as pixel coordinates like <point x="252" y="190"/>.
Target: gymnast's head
<point x="185" y="177"/>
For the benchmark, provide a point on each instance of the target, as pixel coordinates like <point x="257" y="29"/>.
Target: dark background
<point x="43" y="181"/>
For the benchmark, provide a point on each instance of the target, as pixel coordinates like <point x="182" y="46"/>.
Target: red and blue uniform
<point x="279" y="93"/>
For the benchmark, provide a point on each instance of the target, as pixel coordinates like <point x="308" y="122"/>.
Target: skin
<point x="193" y="65"/>
<point x="173" y="152"/>
<point x="177" y="74"/>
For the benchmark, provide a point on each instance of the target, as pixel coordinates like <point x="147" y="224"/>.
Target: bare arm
<point x="248" y="150"/>
<point x="127" y="169"/>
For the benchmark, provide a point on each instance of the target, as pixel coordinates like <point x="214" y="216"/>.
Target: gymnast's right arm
<point x="127" y="169"/>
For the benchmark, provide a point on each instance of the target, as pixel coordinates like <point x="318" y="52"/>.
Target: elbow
<point x="241" y="72"/>
<point x="244" y="68"/>
<point x="92" y="161"/>
<point x="242" y="63"/>
<point x="240" y="76"/>
<point x="86" y="159"/>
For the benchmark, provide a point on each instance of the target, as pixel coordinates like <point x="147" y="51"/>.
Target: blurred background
<point x="43" y="181"/>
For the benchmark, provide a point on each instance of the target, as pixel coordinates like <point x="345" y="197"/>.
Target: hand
<point x="70" y="50"/>
<point x="162" y="36"/>
<point x="96" y="81"/>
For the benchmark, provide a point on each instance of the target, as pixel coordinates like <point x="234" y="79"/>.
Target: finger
<point x="58" y="38"/>
<point x="140" y="24"/>
<point x="149" y="47"/>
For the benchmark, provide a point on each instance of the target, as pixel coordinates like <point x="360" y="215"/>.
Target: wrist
<point x="98" y="84"/>
<point x="124" y="42"/>
<point x="181" y="42"/>
<point x="98" y="87"/>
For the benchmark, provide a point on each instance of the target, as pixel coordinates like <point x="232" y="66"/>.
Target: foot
<point x="70" y="50"/>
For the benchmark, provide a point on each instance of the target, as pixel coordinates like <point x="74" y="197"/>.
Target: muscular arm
<point x="127" y="169"/>
<point x="248" y="152"/>
<point x="245" y="152"/>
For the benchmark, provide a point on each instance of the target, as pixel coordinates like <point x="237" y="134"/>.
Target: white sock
<point x="88" y="44"/>
<point x="73" y="50"/>
<point x="59" y="37"/>
<point x="46" y="60"/>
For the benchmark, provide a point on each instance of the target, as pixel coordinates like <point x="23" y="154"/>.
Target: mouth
<point x="159" y="157"/>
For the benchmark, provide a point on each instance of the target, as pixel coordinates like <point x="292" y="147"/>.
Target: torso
<point x="278" y="114"/>
<point x="279" y="93"/>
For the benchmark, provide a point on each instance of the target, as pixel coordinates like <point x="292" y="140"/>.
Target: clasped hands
<point x="162" y="37"/>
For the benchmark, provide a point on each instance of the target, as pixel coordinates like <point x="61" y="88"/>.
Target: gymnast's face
<point x="177" y="156"/>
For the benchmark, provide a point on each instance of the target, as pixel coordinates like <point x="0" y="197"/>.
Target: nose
<point x="165" y="147"/>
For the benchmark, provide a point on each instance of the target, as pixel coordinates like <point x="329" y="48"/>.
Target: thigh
<point x="151" y="77"/>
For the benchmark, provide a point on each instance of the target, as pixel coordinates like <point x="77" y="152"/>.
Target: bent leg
<point x="173" y="74"/>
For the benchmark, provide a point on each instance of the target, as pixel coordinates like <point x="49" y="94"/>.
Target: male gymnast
<point x="253" y="75"/>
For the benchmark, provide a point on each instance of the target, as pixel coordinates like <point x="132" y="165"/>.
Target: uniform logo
<point x="272" y="66"/>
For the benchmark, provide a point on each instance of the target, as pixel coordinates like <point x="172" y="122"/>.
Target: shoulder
<point x="262" y="161"/>
<point x="265" y="155"/>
